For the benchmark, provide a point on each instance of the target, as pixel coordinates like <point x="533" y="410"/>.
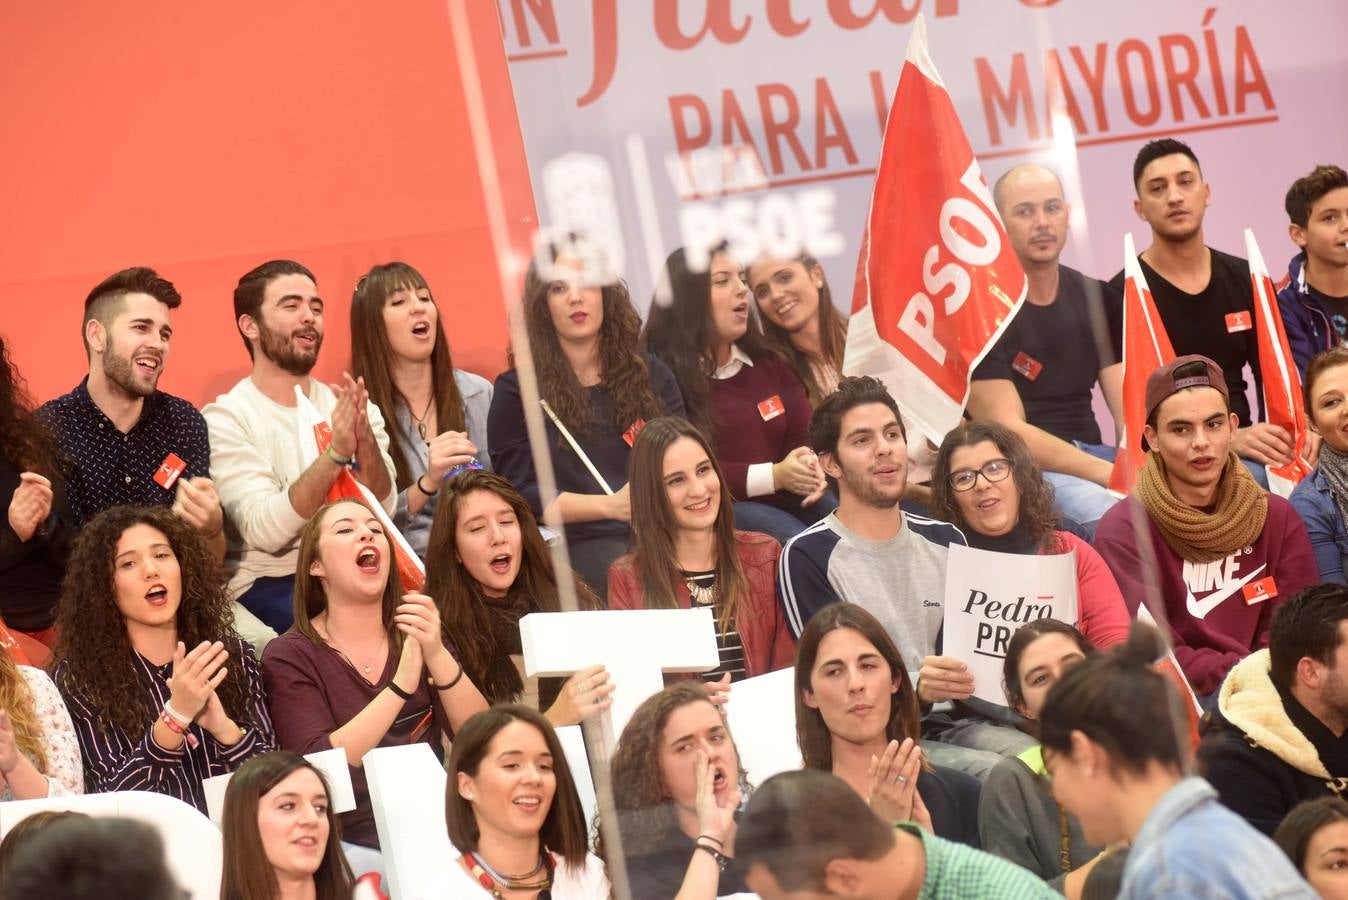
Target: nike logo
<point x="1199" y="609"/>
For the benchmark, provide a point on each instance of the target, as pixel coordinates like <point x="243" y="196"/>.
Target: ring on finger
<point x="903" y="779"/>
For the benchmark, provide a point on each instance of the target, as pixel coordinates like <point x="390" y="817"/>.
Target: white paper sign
<point x="989" y="596"/>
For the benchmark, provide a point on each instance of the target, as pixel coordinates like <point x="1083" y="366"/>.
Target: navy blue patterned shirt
<point x="104" y="467"/>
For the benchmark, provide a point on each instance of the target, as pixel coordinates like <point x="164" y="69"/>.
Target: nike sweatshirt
<point x="1218" y="612"/>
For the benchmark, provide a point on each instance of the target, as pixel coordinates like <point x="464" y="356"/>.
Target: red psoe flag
<point x="1282" y="382"/>
<point x="1146" y="347"/>
<point x="937" y="279"/>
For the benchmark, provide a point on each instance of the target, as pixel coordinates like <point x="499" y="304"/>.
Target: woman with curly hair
<point x="39" y="756"/>
<point x="161" y="691"/>
<point x="677" y="783"/>
<point x="986" y="483"/>
<point x="688" y="553"/>
<point x="492" y="569"/>
<point x="437" y="414"/>
<point x="282" y="839"/>
<point x="365" y="664"/>
<point x="36" y="533"/>
<point x="583" y="333"/>
<point x="738" y="392"/>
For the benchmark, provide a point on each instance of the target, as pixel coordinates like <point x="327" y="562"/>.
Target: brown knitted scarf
<point x="1236" y="520"/>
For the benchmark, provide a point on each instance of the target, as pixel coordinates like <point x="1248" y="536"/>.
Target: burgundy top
<point x="744" y="436"/>
<point x="313" y="690"/>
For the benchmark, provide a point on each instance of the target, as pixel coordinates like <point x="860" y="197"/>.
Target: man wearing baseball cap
<point x="1220" y="554"/>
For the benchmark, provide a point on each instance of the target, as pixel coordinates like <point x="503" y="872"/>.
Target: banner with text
<point x="989" y="596"/>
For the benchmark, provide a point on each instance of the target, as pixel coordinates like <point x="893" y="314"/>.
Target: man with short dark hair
<point x="1314" y="302"/>
<point x="267" y="485"/>
<point x="1221" y="553"/>
<point x="1037" y="379"/>
<point x="806" y="834"/>
<point x="85" y="858"/>
<point x="122" y="441"/>
<point x="1277" y="735"/>
<point x="872" y="553"/>
<point x="1203" y="295"/>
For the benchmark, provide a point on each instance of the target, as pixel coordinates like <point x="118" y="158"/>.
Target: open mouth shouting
<point x="422" y="329"/>
<point x="367" y="560"/>
<point x="157" y="595"/>
<point x="720" y="782"/>
<point x="500" y="563"/>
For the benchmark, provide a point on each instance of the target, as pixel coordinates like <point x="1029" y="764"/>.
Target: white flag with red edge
<point x="937" y="278"/>
<point x="1278" y="372"/>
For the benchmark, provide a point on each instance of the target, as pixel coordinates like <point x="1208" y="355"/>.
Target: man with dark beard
<point x="122" y="441"/>
<point x="267" y="486"/>
<point x="872" y="553"/>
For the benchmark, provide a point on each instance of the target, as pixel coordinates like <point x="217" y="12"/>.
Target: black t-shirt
<point x="658" y="876"/>
<point x="1197" y="323"/>
<point x="951" y="797"/>
<point x="1337" y="310"/>
<point x="1053" y="355"/>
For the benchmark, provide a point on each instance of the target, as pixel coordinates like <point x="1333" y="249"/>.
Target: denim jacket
<point x="1193" y="847"/>
<point x="1314" y="502"/>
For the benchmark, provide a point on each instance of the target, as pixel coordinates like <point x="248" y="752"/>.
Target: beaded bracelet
<point x="172" y="725"/>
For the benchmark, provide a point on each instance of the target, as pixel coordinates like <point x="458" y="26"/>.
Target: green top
<point x="958" y="872"/>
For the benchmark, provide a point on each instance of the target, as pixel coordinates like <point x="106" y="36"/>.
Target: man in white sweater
<point x="267" y="486"/>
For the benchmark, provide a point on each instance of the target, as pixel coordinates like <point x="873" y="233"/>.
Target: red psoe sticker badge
<point x="771" y="408"/>
<point x="166" y="476"/>
<point x="630" y="435"/>
<point x="1259" y="591"/>
<point x="1238" y="321"/>
<point x="1027" y="365"/>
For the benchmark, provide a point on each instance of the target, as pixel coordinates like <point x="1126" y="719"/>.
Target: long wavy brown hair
<point x="311" y="597"/>
<point x="622" y="370"/>
<point x="463" y="609"/>
<point x="654" y="527"/>
<point x="646" y="815"/>
<point x="813" y="736"/>
<point x="94" y="648"/>
<point x="832" y="334"/>
<point x="17" y="700"/>
<point x="372" y="358"/>
<point x="1037" y="518"/>
<point x="23" y="440"/>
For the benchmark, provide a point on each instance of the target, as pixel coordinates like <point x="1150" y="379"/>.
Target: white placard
<point x="332" y="763"/>
<point x="989" y="596"/>
<point x="762" y="716"/>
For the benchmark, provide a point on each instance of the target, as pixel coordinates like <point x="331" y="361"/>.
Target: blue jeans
<point x="1079" y="501"/>
<point x="272" y="600"/>
<point x="781" y="524"/>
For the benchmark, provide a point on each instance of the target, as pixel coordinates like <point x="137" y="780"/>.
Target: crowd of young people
<point x="203" y="606"/>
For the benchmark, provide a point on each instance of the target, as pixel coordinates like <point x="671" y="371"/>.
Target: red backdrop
<point x="202" y="139"/>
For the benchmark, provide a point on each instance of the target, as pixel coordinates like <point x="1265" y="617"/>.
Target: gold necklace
<point x="425" y="414"/>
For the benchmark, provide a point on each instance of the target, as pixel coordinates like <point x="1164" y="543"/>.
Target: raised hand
<point x="891" y="781"/>
<point x="718" y="692"/>
<point x="197" y="504"/>
<point x="447" y="450"/>
<point x="30" y="505"/>
<point x="196" y="675"/>
<point x="799" y="473"/>
<point x="944" y="678"/>
<point x="343" y="419"/>
<point x="713" y="819"/>
<point x="584" y="695"/>
<point x="418" y="618"/>
<point x="410" y="665"/>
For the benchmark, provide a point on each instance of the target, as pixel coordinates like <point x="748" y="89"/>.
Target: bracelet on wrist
<point x="722" y="861"/>
<point x="393" y="686"/>
<point x="707" y="837"/>
<point x="172" y="725"/>
<point x="181" y="719"/>
<point x="333" y="455"/>
<point x="422" y="487"/>
<point x="455" y="680"/>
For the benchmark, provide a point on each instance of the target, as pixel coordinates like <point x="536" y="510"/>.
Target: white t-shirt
<point x="586" y="883"/>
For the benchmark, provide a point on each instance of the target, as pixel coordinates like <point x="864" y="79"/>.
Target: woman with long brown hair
<point x="799" y="319"/>
<point x="986" y="483"/>
<point x="687" y="552"/>
<point x="36" y="533"/>
<point x="583" y="333"/>
<point x="857" y="716"/>
<point x="436" y="414"/>
<point x="281" y="839"/>
<point x="39" y="755"/>
<point x="677" y="783"/>
<point x="491" y="569"/>
<point x="739" y="392"/>
<point x="161" y="691"/>
<point x="365" y="665"/>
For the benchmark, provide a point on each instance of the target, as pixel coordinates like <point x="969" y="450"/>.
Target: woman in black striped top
<point x="160" y="690"/>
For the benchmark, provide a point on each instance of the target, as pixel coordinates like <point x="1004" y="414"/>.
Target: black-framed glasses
<point x="992" y="470"/>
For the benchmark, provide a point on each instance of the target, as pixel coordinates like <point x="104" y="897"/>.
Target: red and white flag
<point x="1282" y="383"/>
<point x="937" y="279"/>
<point x="1146" y="347"/>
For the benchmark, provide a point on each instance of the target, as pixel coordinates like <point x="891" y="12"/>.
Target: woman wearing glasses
<point x="986" y="484"/>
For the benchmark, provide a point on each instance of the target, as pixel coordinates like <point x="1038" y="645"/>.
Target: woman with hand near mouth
<point x="365" y="665"/>
<point x="281" y="839"/>
<point x="857" y="716"/>
<point x="687" y="552"/>
<point x="677" y="784"/>
<point x="986" y="483"/>
<point x="512" y="810"/>
<point x="738" y="392"/>
<point x="437" y="414"/>
<point x="583" y="334"/>
<point x="160" y="690"/>
<point x="1321" y="499"/>
<point x="492" y="569"/>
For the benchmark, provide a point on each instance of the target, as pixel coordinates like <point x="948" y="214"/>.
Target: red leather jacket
<point x="768" y="645"/>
